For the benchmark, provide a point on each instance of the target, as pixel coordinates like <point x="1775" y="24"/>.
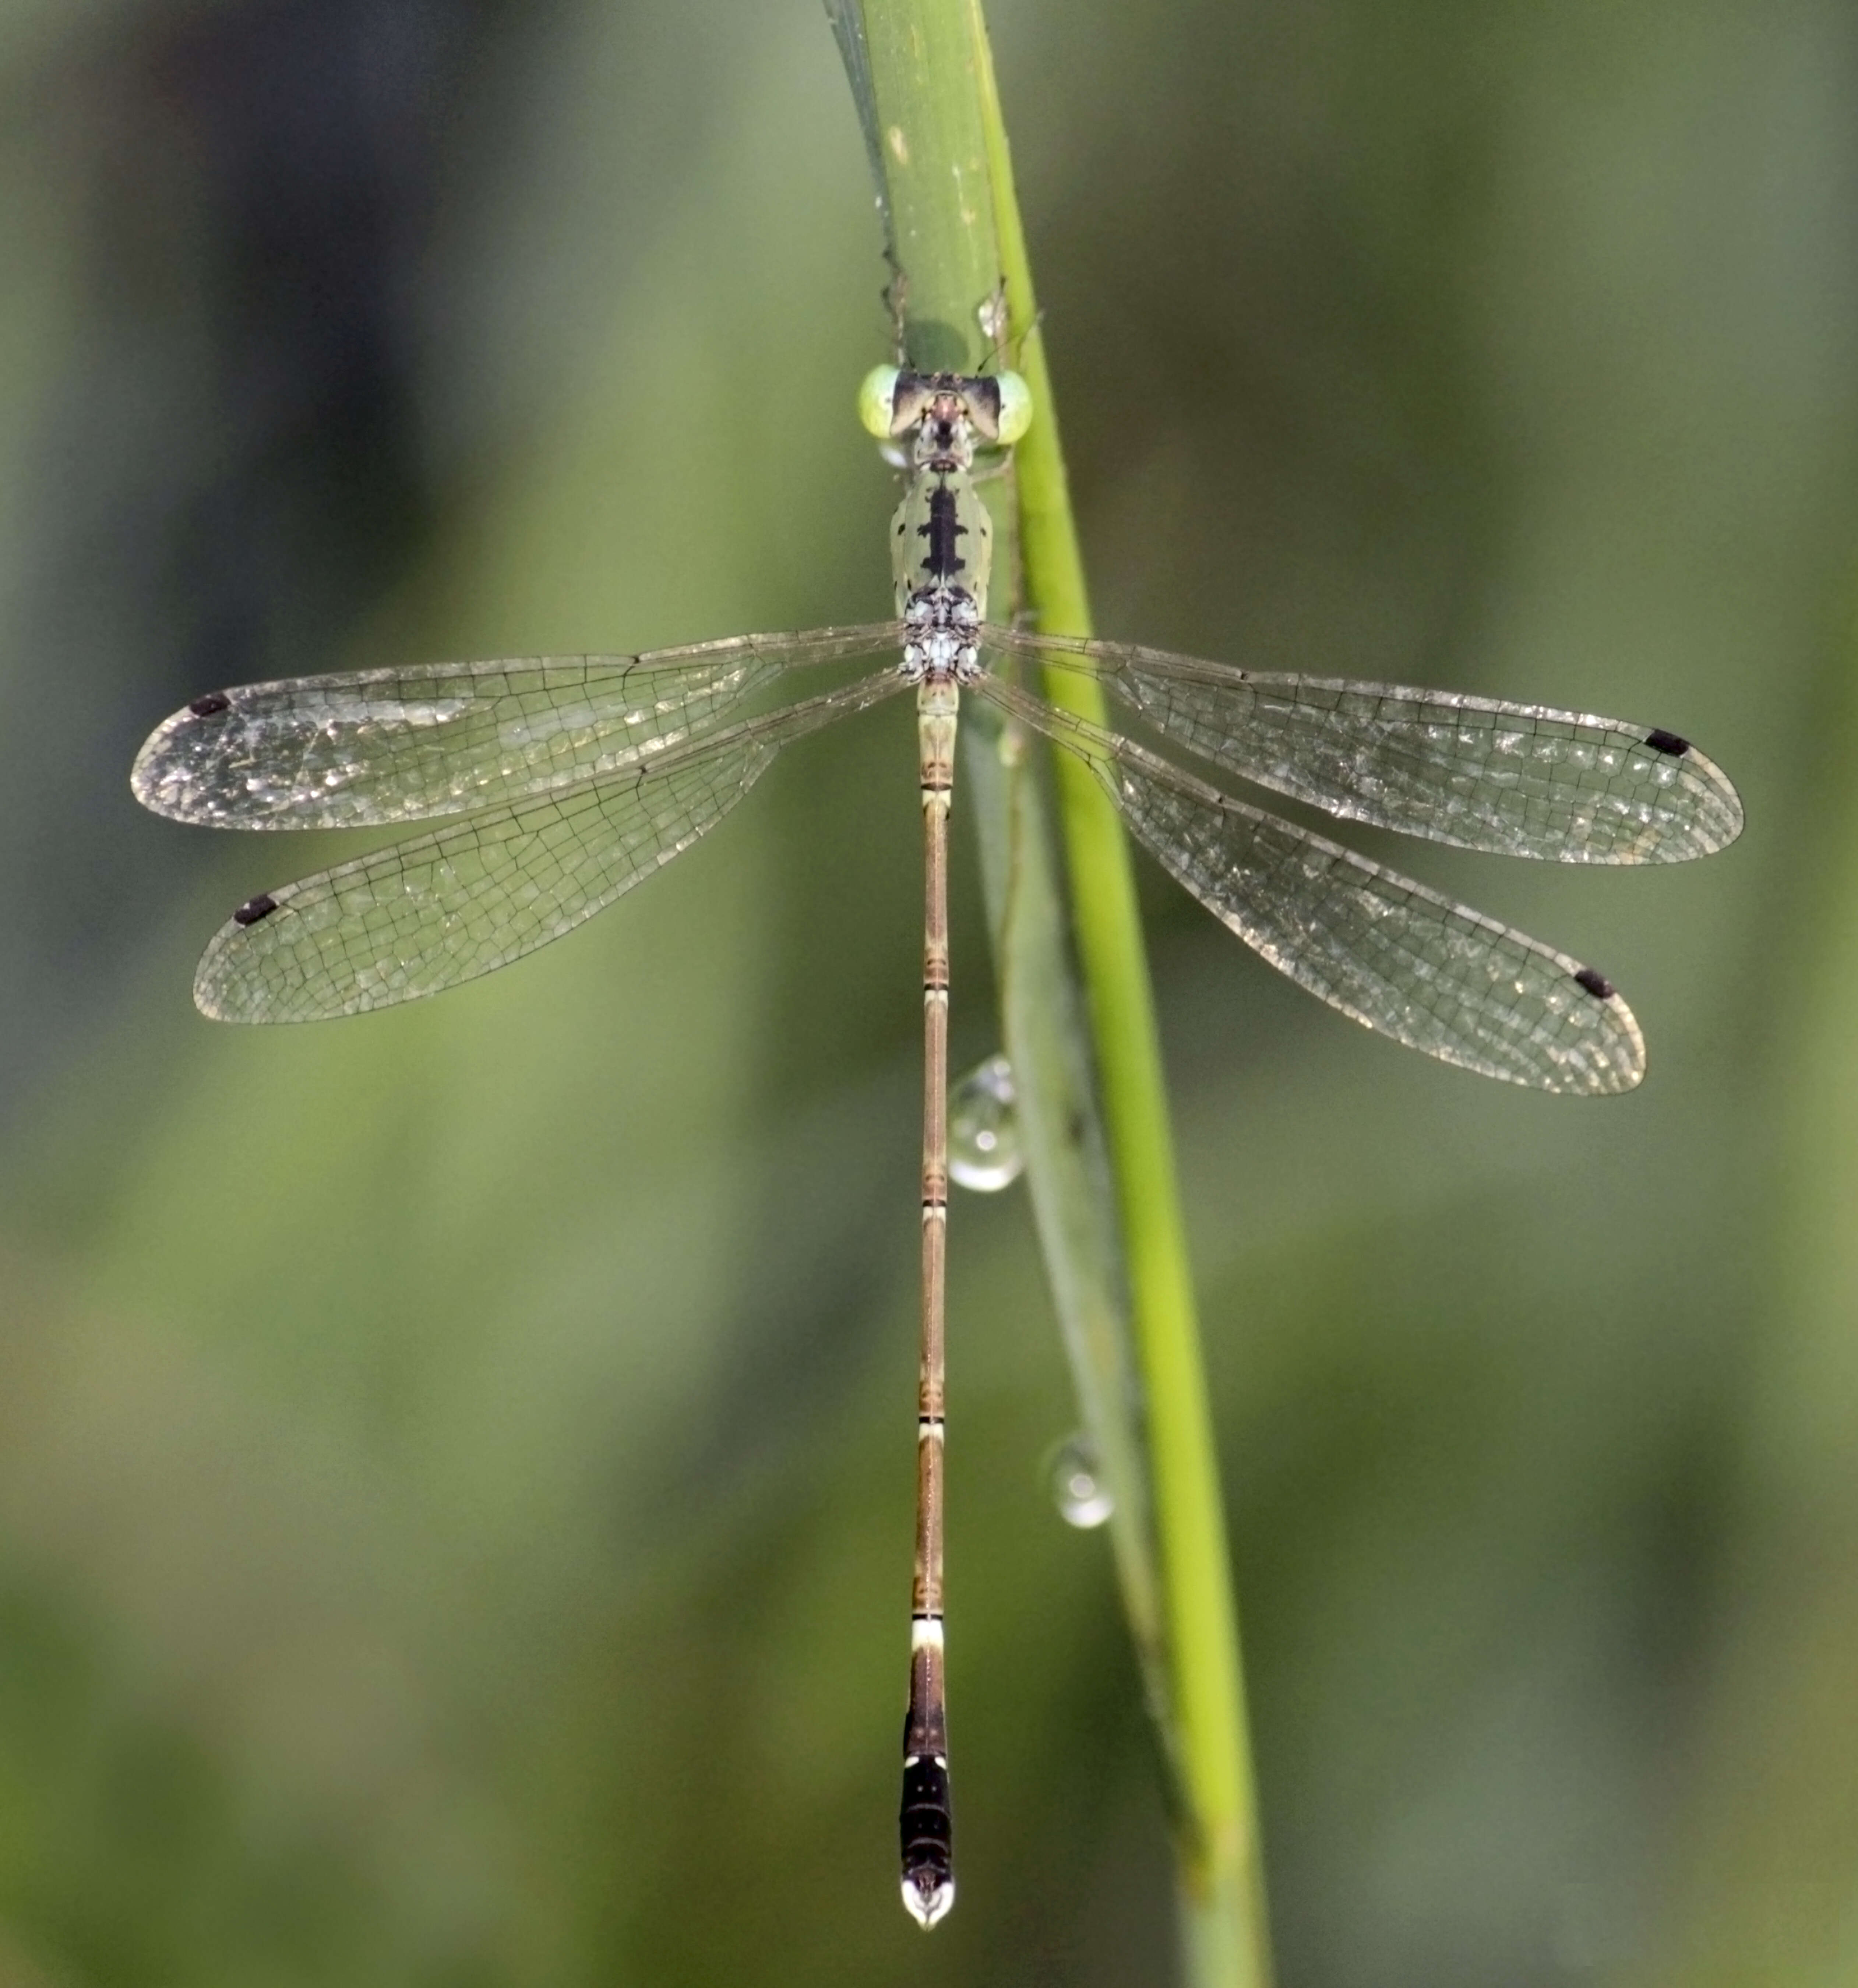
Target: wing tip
<point x="144" y="781"/>
<point x="159" y="777"/>
<point x="1734" y="819"/>
<point x="209" y="983"/>
<point x="206" y="994"/>
<point x="1713" y="834"/>
<point x="1620" y="1065"/>
<point x="216" y="978"/>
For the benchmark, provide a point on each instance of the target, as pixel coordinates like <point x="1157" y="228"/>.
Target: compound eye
<point x="1015" y="406"/>
<point x="877" y="401"/>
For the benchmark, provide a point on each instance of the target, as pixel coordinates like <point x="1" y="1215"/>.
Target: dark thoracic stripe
<point x="925" y="1825"/>
<point x="942" y="560"/>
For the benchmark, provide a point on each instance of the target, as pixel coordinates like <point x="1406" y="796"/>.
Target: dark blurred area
<point x="456" y="1467"/>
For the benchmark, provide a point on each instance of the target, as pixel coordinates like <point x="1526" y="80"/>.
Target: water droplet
<point x="984" y="1150"/>
<point x="1078" y="1488"/>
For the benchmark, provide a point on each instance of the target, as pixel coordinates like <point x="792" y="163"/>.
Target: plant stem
<point x="1224" y="1922"/>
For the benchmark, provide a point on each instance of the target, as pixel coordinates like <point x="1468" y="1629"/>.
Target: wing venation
<point x="440" y="908"/>
<point x="1512" y="780"/>
<point x="377" y="747"/>
<point x="1398" y="958"/>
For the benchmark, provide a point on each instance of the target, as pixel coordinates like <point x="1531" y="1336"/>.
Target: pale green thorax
<point x="942" y="535"/>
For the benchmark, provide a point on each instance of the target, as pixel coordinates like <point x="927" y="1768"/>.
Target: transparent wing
<point x="1516" y="780"/>
<point x="426" y="914"/>
<point x="1396" y="957"/>
<point x="379" y="746"/>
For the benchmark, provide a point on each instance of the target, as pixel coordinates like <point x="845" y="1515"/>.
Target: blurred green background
<point x="456" y="1467"/>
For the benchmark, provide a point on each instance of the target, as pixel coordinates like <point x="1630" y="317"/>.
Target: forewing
<point x="1388" y="952"/>
<point x="441" y="908"/>
<point x="383" y="746"/>
<point x="1515" y="779"/>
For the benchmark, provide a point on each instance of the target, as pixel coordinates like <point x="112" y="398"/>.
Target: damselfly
<point x="570" y="780"/>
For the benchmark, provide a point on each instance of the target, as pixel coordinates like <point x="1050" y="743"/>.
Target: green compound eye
<point x="1015" y="406"/>
<point x="877" y="400"/>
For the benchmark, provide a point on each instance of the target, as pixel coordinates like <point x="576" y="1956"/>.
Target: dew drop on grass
<point x="984" y="1150"/>
<point x="1078" y="1488"/>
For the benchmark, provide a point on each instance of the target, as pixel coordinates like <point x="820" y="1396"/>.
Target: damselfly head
<point x="996" y="407"/>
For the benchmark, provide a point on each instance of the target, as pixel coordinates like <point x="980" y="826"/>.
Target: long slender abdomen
<point x="925" y="1823"/>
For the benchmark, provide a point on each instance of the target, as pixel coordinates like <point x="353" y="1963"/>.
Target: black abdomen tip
<point x="926" y="1830"/>
<point x="211" y="706"/>
<point x="253" y="909"/>
<point x="1667" y="741"/>
<point x="1596" y="984"/>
